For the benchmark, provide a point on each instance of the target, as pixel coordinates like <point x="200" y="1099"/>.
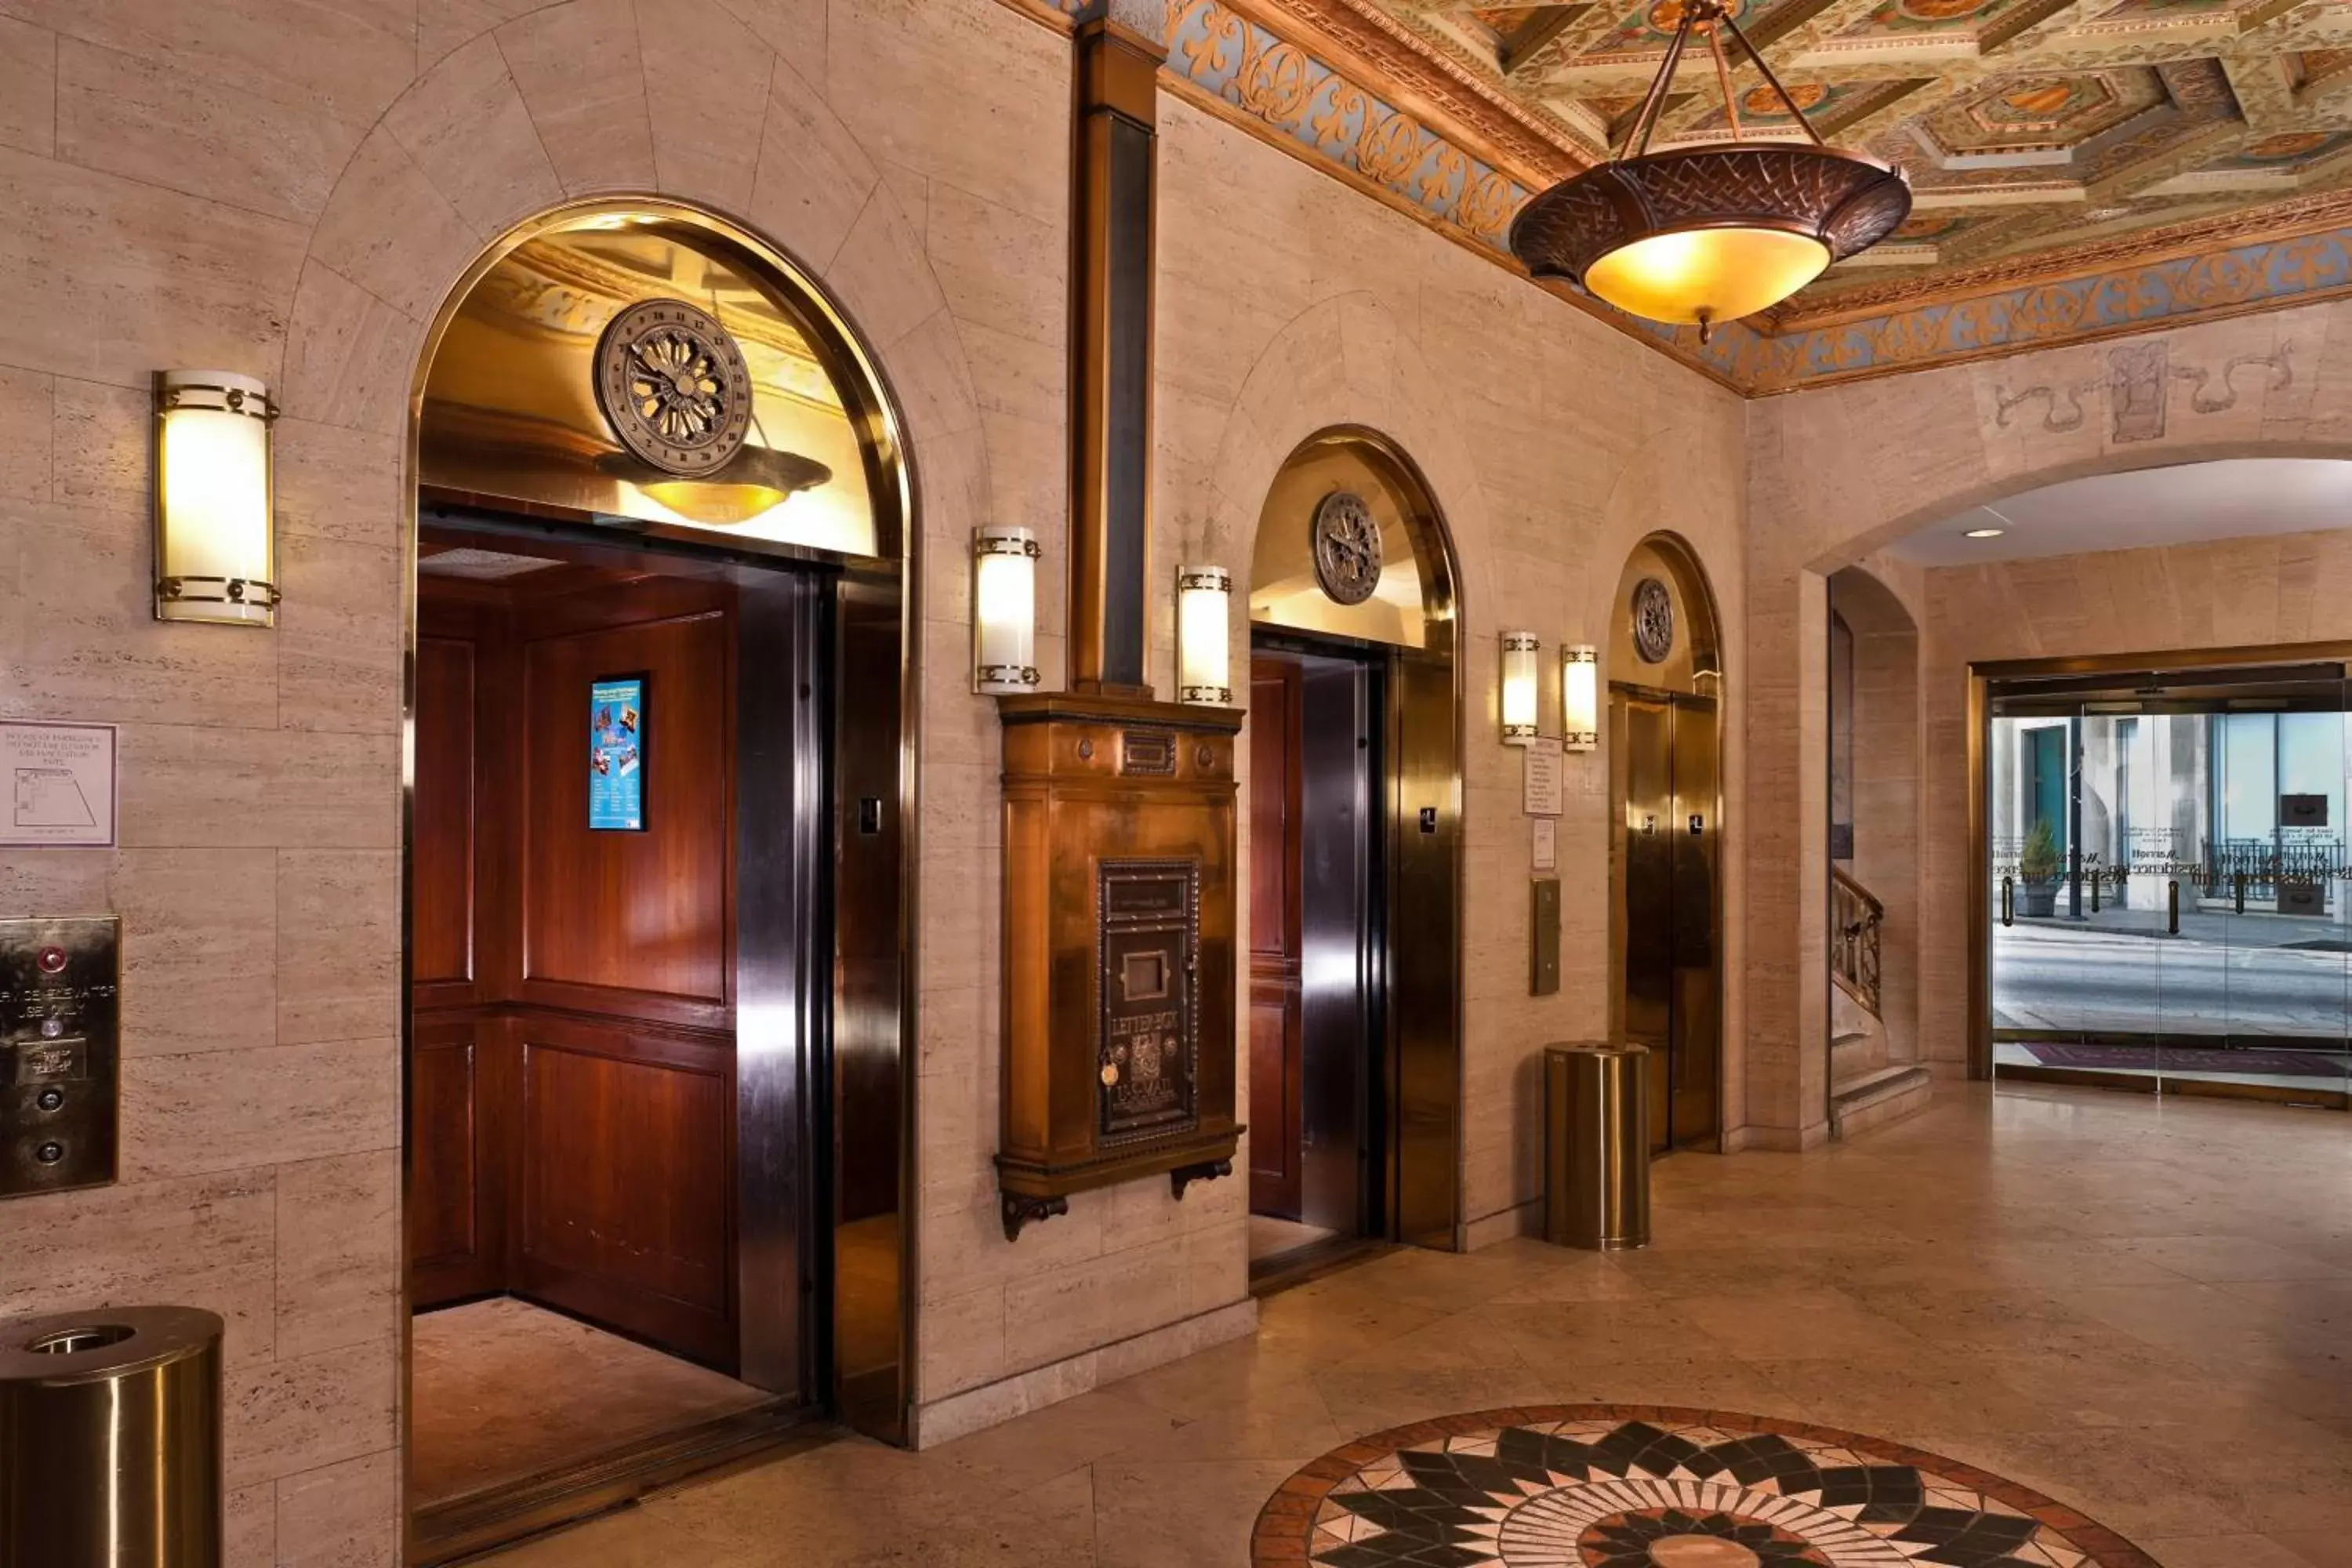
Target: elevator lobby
<point x="2077" y="1291"/>
<point x="1089" y="783"/>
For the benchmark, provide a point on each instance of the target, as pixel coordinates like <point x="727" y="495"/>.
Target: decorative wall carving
<point x="2139" y="387"/>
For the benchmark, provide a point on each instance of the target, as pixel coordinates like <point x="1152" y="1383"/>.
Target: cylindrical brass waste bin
<point x="111" y="1439"/>
<point x="1597" y="1146"/>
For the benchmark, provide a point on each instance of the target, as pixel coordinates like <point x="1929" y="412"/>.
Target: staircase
<point x="1866" y="1090"/>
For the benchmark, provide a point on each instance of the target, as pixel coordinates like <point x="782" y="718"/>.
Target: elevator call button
<point x="60" y="1040"/>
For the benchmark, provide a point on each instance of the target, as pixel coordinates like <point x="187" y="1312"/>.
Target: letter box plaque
<point x="1149" y="937"/>
<point x="1119" y="1006"/>
<point x="60" y="1004"/>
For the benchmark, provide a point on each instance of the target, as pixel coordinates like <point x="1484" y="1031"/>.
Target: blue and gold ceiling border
<point x="2194" y="272"/>
<point x="1221" y="58"/>
<point x="1224" y="56"/>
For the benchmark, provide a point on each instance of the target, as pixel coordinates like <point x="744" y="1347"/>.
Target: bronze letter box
<point x="1119" y="947"/>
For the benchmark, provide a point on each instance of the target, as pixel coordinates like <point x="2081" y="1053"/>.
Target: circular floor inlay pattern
<point x="1615" y="1486"/>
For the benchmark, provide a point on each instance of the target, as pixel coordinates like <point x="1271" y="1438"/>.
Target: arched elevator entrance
<point x="1665" y="832"/>
<point x="657" y="856"/>
<point x="1354" y="811"/>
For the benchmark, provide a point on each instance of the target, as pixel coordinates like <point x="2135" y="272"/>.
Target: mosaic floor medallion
<point x="1610" y="1486"/>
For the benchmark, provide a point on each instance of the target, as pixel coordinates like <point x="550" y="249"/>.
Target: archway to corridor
<point x="2134" y="780"/>
<point x="1354" y="770"/>
<point x="1874" y="1074"/>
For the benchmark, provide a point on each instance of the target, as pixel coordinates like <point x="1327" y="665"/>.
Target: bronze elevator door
<point x="1276" y="1062"/>
<point x="1319" y="1045"/>
<point x="1670" y="982"/>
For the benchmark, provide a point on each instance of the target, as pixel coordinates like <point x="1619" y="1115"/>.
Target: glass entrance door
<point x="2168" y="882"/>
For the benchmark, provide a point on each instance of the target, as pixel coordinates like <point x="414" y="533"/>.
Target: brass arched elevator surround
<point x="1355" y="878"/>
<point x="777" y="1066"/>
<point x="1665" y="828"/>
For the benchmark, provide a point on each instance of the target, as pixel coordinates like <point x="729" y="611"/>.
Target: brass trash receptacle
<point x="1597" y="1146"/>
<point x="111" y="1439"/>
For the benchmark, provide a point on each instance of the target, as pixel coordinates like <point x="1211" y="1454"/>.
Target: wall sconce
<point x="1520" y="649"/>
<point x="1005" y="610"/>
<point x="1579" y="697"/>
<point x="1204" y="636"/>
<point x="214" y="556"/>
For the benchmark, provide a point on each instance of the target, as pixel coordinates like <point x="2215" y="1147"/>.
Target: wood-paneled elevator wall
<point x="573" y="1068"/>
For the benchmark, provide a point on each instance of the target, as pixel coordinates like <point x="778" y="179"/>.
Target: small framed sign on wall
<point x="616" y="753"/>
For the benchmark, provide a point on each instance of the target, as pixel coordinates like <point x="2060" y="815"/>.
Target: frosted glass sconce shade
<point x="1204" y="596"/>
<point x="214" y="528"/>
<point x="1579" y="697"/>
<point x="1005" y="610"/>
<point x="1519" y="653"/>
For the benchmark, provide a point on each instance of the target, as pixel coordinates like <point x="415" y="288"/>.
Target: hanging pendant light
<point x="1698" y="234"/>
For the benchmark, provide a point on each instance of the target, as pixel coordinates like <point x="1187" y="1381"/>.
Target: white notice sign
<point x="1543" y="776"/>
<point x="59" y="780"/>
<point x="1547" y="843"/>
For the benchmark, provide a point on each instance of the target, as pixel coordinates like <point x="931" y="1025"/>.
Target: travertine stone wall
<point x="1554" y="445"/>
<point x="1837" y="473"/>
<point x="229" y="185"/>
<point x="223" y="186"/>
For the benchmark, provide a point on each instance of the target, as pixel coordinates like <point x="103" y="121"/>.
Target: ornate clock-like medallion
<point x="674" y="386"/>
<point x="1346" y="548"/>
<point x="1653" y="620"/>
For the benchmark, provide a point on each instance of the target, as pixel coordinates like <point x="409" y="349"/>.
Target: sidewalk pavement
<point x="2218" y="928"/>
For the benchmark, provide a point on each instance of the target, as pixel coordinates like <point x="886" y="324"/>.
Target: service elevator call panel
<point x="60" y="1042"/>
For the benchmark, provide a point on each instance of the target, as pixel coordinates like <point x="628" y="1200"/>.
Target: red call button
<point x="52" y="960"/>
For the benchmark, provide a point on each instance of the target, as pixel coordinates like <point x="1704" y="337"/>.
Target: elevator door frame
<point x="822" y="998"/>
<point x="1620" y="695"/>
<point x="1411" y="1191"/>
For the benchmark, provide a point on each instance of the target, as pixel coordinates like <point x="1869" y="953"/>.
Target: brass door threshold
<point x="464" y="1529"/>
<point x="1303" y="1265"/>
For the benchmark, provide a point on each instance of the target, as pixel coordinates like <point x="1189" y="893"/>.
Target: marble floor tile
<point x="2137" y="1309"/>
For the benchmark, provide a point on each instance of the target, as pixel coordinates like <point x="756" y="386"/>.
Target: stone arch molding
<point x="569" y="101"/>
<point x="1344" y="360"/>
<point x="1842" y="471"/>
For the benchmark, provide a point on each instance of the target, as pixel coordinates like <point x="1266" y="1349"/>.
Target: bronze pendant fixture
<point x="1697" y="235"/>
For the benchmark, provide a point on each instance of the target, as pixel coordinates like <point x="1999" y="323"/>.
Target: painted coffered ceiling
<point x="2083" y="170"/>
<point x="2030" y="129"/>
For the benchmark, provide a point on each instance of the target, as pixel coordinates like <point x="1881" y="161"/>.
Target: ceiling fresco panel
<point x="2083" y="169"/>
<point x="2027" y="126"/>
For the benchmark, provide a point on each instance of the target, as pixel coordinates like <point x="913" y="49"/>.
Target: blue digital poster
<point x="616" y="754"/>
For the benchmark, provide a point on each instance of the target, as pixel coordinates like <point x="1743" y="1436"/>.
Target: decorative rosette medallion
<point x="674" y="387"/>
<point x="1653" y="620"/>
<point x="1346" y="548"/>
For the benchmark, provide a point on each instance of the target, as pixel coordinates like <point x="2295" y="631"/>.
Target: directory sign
<point x="59" y="782"/>
<point x="616" y="754"/>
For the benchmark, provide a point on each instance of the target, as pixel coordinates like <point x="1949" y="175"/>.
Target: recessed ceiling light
<point x="1986" y="533"/>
